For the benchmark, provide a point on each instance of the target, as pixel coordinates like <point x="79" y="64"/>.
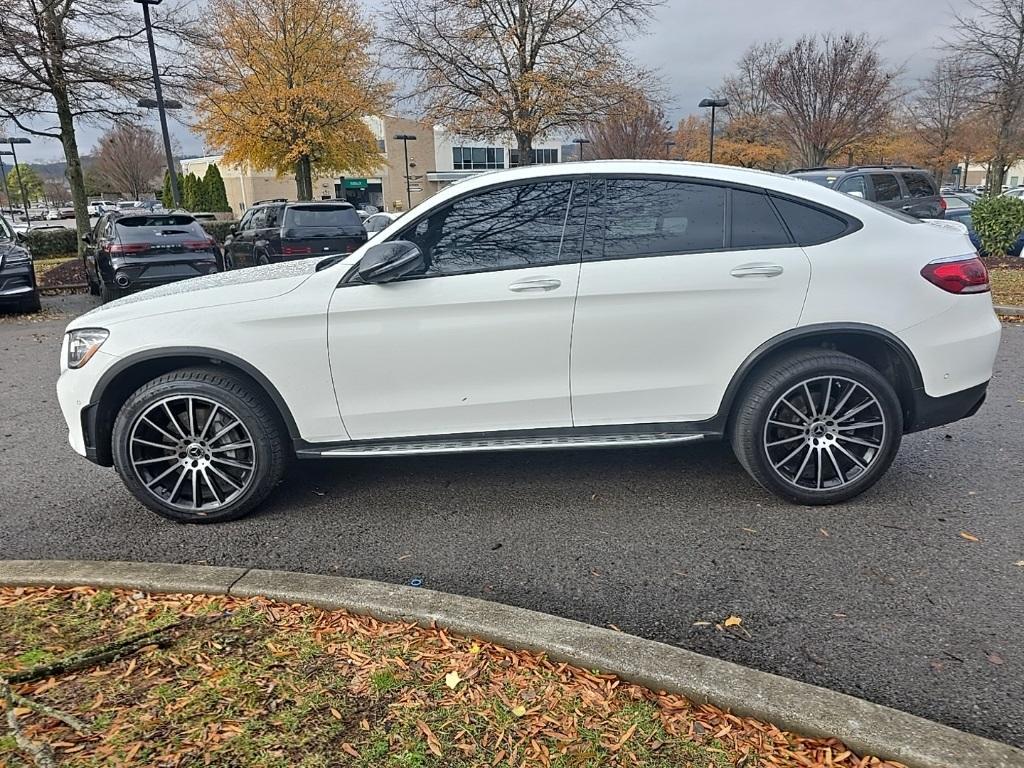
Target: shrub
<point x="998" y="221"/>
<point x="45" y="243"/>
<point x="218" y="229"/>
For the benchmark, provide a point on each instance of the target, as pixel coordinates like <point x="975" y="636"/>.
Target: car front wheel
<point x="817" y="427"/>
<point x="199" y="445"/>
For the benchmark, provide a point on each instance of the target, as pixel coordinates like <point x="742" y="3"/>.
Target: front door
<point x="686" y="282"/>
<point x="480" y="341"/>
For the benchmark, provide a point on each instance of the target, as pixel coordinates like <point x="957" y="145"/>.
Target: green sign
<point x="355" y="183"/>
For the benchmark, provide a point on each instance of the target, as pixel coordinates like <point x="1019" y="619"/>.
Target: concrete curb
<point x="1011" y="311"/>
<point x="864" y="727"/>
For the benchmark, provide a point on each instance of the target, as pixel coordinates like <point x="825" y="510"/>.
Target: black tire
<point x="32" y="304"/>
<point x="94" y="287"/>
<point x="807" y="476"/>
<point x="109" y="292"/>
<point x="234" y="394"/>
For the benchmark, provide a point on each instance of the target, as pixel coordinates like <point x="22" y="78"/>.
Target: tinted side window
<point x="919" y="185"/>
<point x="502" y="228"/>
<point x="259" y="219"/>
<point x="243" y="223"/>
<point x="808" y="225"/>
<point x="853" y="184"/>
<point x="647" y="217"/>
<point x="754" y="221"/>
<point x="887" y="188"/>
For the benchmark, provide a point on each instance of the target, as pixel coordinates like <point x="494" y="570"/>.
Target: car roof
<point x="726" y="174"/>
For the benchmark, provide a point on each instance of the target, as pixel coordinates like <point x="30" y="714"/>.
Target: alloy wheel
<point x="192" y="453"/>
<point x="824" y="433"/>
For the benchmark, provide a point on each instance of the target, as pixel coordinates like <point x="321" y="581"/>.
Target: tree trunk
<point x="304" y="178"/>
<point x="524" y="143"/>
<point x="995" y="174"/>
<point x="75" y="177"/>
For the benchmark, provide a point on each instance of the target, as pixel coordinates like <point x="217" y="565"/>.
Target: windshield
<point x="321" y="216"/>
<point x="154" y="220"/>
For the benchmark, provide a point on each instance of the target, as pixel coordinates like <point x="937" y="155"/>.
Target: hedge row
<point x="218" y="229"/>
<point x="999" y="222"/>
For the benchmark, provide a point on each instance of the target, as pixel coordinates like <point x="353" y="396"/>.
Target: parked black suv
<point x="900" y="187"/>
<point x="278" y="231"/>
<point x="128" y="252"/>
<point x="17" y="273"/>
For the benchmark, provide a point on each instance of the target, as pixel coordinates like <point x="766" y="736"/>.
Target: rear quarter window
<point x="810" y="225"/>
<point x="321" y="216"/>
<point x="919" y="185"/>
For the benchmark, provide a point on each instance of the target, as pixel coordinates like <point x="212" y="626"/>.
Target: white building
<point x="457" y="157"/>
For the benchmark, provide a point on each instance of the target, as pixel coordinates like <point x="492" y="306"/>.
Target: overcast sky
<point x="695" y="43"/>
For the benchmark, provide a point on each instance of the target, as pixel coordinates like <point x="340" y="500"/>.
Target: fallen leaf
<point x="452" y="680"/>
<point x="519" y="710"/>
<point x="995" y="658"/>
<point x="824" y="533"/>
<point x="702" y="623"/>
<point x="349" y="749"/>
<point x="474" y="648"/>
<point x="733" y="621"/>
<point x="1020" y="563"/>
<point x="335" y="714"/>
<point x="749" y="530"/>
<point x="968" y="536"/>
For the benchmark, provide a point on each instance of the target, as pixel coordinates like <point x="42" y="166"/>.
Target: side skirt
<point x="585" y="437"/>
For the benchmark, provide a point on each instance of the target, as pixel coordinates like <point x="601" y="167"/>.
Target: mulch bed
<point x="238" y="682"/>
<point x="68" y="272"/>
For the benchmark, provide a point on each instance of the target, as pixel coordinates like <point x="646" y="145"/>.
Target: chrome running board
<point x="471" y="444"/>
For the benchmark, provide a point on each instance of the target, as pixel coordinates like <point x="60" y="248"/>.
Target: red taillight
<point x="127" y="247"/>
<point x="295" y="250"/>
<point x="942" y="205"/>
<point x="964" y="274"/>
<point x="200" y="245"/>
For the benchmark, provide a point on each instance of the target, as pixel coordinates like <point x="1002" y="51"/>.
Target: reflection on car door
<point x="480" y="342"/>
<point x="686" y="282"/>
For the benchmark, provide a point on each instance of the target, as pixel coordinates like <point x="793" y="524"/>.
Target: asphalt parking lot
<point x="888" y="597"/>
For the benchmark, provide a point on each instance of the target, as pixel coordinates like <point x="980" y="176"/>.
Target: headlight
<point x="82" y="345"/>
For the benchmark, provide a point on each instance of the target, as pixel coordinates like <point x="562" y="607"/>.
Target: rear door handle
<point x="757" y="270"/>
<point x="535" y="284"/>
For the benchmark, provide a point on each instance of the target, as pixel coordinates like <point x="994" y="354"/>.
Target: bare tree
<point x="129" y="158"/>
<point x="521" y="67"/>
<point x="937" y="111"/>
<point x="64" y="62"/>
<point x="745" y="90"/>
<point x="636" y="130"/>
<point x="830" y="92"/>
<point x="992" y="39"/>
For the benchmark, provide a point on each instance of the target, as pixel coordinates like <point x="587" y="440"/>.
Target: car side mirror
<point x="385" y="262"/>
<point x="87" y="238"/>
<point x="21" y="237"/>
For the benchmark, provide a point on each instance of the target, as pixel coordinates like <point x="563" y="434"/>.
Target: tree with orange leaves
<point x="286" y="84"/>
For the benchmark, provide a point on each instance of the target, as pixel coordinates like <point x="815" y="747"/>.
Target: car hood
<point x="223" y="288"/>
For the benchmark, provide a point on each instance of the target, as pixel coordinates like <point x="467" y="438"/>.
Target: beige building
<point x="246" y="186"/>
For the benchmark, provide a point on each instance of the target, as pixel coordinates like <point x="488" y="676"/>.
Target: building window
<point x="477" y="158"/>
<point x="537" y="157"/>
<point x="380" y="146"/>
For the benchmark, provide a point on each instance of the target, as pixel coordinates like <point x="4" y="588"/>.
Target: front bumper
<point x="17" y="282"/>
<point x="74" y="390"/>
<point x="931" y="412"/>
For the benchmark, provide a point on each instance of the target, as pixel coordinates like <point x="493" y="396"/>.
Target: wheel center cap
<point x="195" y="451"/>
<point x="819" y="430"/>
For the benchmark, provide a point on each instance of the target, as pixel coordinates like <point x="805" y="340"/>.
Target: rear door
<point x="237" y="249"/>
<point x="886" y="190"/>
<point x="316" y="229"/>
<point x="923" y="198"/>
<point x="267" y="237"/>
<point x="684" y="282"/>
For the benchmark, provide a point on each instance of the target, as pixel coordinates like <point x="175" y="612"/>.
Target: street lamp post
<point x="12" y="140"/>
<point x="581" y="142"/>
<point x="704" y="104"/>
<point x="405" y="138"/>
<point x="160" y="106"/>
<point x="7" y="190"/>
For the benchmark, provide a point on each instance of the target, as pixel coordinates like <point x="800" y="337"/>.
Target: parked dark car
<point x="277" y="232"/>
<point x="18" y="289"/>
<point x="128" y="252"/>
<point x="902" y="188"/>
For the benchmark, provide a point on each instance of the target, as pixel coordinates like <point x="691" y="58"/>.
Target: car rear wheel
<point x="817" y="427"/>
<point x="199" y="445"/>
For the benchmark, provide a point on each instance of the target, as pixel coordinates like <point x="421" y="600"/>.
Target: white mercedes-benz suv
<point x="599" y="304"/>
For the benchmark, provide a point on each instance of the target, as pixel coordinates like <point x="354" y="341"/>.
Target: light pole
<point x="7" y="190"/>
<point x="581" y="142"/>
<point x="12" y="140"/>
<point x="668" y="148"/>
<point x="160" y="105"/>
<point x="704" y="104"/>
<point x="405" y="138"/>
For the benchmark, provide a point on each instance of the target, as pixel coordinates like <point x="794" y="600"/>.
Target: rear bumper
<point x="931" y="412"/>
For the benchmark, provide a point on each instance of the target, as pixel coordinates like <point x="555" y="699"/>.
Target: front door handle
<point x="535" y="284"/>
<point x="757" y="270"/>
